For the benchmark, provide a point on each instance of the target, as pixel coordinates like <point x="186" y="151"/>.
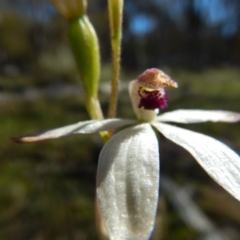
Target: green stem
<point x="115" y="18"/>
<point x="93" y="107"/>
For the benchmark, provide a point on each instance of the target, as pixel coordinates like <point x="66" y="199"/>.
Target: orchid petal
<point x="195" y="116"/>
<point x="218" y="160"/>
<point x="128" y="182"/>
<point x="91" y="126"/>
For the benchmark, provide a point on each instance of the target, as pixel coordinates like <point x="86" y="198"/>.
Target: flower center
<point x="152" y="99"/>
<point x="148" y="94"/>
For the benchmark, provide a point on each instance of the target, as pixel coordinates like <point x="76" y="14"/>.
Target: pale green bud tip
<point x="70" y="9"/>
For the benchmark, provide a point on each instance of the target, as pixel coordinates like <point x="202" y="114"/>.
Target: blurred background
<point x="47" y="190"/>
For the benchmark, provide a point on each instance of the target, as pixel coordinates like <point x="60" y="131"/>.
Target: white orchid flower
<point x="128" y="169"/>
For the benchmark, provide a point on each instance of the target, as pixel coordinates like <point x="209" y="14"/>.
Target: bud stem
<point x="115" y="17"/>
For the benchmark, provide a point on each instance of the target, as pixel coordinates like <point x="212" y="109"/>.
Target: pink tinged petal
<point x="91" y="126"/>
<point x="128" y="182"/>
<point x="218" y="160"/>
<point x="195" y="116"/>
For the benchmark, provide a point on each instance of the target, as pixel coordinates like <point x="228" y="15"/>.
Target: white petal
<point x="128" y="181"/>
<point x="219" y="161"/>
<point x="195" y="116"/>
<point x="91" y="126"/>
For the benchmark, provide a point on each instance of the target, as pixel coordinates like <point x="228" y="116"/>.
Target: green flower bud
<point x="84" y="43"/>
<point x="85" y="47"/>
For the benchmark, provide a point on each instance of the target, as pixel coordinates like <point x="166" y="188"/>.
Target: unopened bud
<point x="85" y="47"/>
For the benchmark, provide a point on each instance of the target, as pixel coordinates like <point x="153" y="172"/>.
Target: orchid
<point x="128" y="168"/>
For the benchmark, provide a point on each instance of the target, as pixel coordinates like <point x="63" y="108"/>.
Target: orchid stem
<point x="115" y="17"/>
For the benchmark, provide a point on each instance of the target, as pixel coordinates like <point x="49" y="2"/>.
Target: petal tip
<point x="17" y="139"/>
<point x="25" y="139"/>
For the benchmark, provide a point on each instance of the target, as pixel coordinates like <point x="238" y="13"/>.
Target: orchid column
<point x="85" y="47"/>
